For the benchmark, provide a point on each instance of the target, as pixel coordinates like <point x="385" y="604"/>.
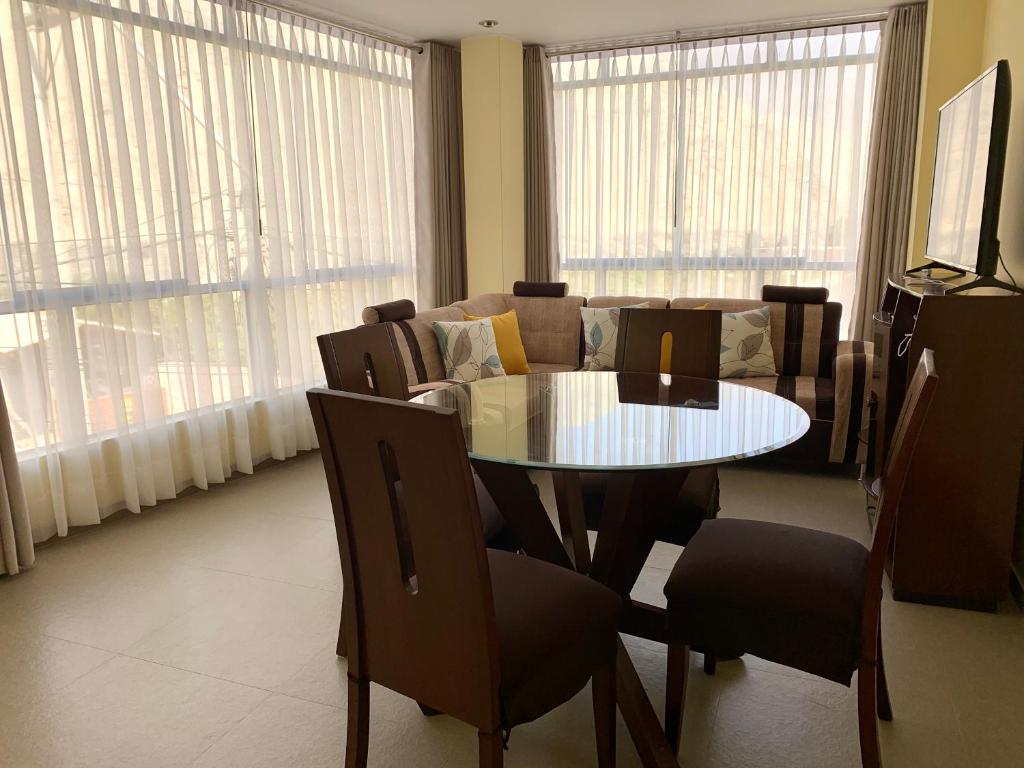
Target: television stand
<point x="953" y="543"/>
<point x="930" y="265"/>
<point x="986" y="281"/>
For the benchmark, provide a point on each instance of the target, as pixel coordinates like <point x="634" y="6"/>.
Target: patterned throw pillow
<point x="747" y="345"/>
<point x="600" y="334"/>
<point x="468" y="349"/>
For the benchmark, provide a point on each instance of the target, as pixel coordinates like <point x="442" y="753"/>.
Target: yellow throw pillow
<point x="510" y="343"/>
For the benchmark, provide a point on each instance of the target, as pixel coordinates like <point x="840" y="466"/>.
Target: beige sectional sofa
<point x="826" y="377"/>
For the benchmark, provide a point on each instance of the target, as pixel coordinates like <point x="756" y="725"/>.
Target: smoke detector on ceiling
<point x="488" y="23"/>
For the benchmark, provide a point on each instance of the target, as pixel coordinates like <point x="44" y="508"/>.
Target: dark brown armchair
<point x="803" y="598"/>
<point x="493" y="638"/>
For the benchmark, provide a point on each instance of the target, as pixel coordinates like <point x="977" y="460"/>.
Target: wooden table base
<point x="634" y="505"/>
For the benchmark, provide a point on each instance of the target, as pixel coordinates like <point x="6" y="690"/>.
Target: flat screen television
<point x="968" y="180"/>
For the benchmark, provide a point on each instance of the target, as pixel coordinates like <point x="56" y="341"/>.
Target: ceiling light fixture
<point x="488" y="23"/>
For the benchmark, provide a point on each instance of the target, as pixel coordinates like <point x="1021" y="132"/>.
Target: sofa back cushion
<point x="804" y="336"/>
<point x="607" y="302"/>
<point x="485" y="305"/>
<point x="550" y="328"/>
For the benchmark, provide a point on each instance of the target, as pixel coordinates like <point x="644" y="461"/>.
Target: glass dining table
<point x="643" y="433"/>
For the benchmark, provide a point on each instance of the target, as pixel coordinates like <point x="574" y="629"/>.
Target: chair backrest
<point x="683" y="342"/>
<point x="364" y="360"/>
<point x="894" y="479"/>
<point x="412" y="552"/>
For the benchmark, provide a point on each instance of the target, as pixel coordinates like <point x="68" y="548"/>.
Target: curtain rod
<point x="712" y="33"/>
<point x="348" y="27"/>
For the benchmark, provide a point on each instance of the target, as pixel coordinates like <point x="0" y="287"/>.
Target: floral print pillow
<point x="746" y="345"/>
<point x="600" y="336"/>
<point x="468" y="349"/>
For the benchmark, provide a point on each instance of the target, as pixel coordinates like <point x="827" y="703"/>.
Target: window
<point x="189" y="193"/>
<point x="182" y="183"/>
<point x="711" y="168"/>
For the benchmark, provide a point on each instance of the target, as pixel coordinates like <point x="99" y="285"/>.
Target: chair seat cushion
<point x="790" y="595"/>
<point x="816" y="395"/>
<point x="555" y="629"/>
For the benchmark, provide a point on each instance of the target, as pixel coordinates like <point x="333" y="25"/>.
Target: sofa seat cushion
<point x="791" y="595"/>
<point x="555" y="628"/>
<point x="816" y="395"/>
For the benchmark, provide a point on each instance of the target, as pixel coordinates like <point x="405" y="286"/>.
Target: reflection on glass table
<point x="603" y="421"/>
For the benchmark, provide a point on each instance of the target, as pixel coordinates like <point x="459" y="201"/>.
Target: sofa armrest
<point x="852" y="371"/>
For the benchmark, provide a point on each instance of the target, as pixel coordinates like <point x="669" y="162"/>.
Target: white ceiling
<point x="563" y="21"/>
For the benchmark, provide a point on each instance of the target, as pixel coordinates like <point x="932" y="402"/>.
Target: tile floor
<point x="202" y="634"/>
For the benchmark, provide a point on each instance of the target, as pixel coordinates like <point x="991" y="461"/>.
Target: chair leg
<point x="358" y="723"/>
<point x="867" y="715"/>
<point x="884" y="705"/>
<point x="710" y="663"/>
<point x="342" y="645"/>
<point x="603" y="685"/>
<point x="491" y="746"/>
<point x="675" y="692"/>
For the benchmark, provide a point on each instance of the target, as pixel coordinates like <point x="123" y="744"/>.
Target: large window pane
<point x="712" y="168"/>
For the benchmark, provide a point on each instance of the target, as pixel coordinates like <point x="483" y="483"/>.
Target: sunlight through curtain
<point x="710" y="168"/>
<point x="189" y="193"/>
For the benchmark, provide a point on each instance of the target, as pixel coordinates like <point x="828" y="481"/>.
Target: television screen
<point x="967" y="184"/>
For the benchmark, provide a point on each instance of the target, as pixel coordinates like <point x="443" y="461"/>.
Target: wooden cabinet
<point x="955" y="529"/>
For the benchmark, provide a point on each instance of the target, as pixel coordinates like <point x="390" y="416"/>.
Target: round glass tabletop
<point x="598" y="421"/>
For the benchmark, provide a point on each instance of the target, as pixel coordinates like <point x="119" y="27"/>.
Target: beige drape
<point x="538" y="151"/>
<point x="886" y="223"/>
<point x="441" y="200"/>
<point x="16" y="551"/>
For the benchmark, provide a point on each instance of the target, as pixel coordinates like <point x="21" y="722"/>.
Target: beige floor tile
<point x="323" y="679"/>
<point x="126" y="713"/>
<point x="34" y="666"/>
<point x="785" y="495"/>
<point x="235" y="590"/>
<point x="282" y="731"/>
<point x="258" y="634"/>
<point x="107" y="603"/>
<point x="771" y="720"/>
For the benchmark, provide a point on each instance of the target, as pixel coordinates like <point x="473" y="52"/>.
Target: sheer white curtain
<point x="190" y="191"/>
<point x="711" y="168"/>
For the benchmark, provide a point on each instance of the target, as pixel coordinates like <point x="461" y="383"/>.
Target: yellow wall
<point x="952" y="58"/>
<point x="492" y="114"/>
<point x="1004" y="39"/>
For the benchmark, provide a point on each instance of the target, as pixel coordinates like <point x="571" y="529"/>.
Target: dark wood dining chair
<point x="806" y="599"/>
<point x="493" y="638"/>
<point x="683" y="342"/>
<point x="366" y="360"/>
